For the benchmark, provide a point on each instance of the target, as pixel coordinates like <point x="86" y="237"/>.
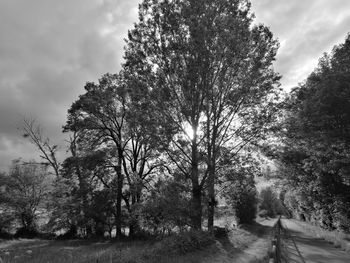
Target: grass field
<point x="223" y="249"/>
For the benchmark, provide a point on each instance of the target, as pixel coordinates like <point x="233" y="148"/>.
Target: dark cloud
<point x="50" y="48"/>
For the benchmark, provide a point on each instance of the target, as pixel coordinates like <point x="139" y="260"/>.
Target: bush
<point x="246" y="207"/>
<point x="166" y="209"/>
<point x="242" y="196"/>
<point x="5" y="235"/>
<point x="7" y="222"/>
<point x="220" y="232"/>
<point x="183" y="243"/>
<point x="270" y="203"/>
<point x="26" y="233"/>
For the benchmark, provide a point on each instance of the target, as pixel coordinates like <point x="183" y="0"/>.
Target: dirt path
<point x="312" y="249"/>
<point x="244" y="247"/>
<point x="257" y="250"/>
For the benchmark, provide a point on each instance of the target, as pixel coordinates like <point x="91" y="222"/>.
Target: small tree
<point x="271" y="203"/>
<point x="24" y="191"/>
<point x="167" y="207"/>
<point x="242" y="196"/>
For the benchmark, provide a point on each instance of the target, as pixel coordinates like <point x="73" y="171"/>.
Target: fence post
<point x="278" y="251"/>
<point x="275" y="254"/>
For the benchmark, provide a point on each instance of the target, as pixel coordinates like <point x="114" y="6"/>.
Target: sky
<point x="49" y="49"/>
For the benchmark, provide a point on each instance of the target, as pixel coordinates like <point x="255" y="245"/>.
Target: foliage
<point x="7" y="218"/>
<point x="316" y="142"/>
<point x="270" y="203"/>
<point x="203" y="65"/>
<point x="242" y="196"/>
<point x="240" y="191"/>
<point x="183" y="243"/>
<point x="167" y="208"/>
<point x="63" y="208"/>
<point x="24" y="191"/>
<point x="111" y="150"/>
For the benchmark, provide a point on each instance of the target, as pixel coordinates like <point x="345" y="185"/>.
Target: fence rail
<point x="281" y="244"/>
<point x="275" y="252"/>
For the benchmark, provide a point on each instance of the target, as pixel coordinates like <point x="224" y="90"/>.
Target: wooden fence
<point x="281" y="243"/>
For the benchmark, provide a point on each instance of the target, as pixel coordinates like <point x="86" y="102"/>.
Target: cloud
<point x="306" y="29"/>
<point x="48" y="50"/>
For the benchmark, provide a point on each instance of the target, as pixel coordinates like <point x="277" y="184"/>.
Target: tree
<point x="112" y="143"/>
<point x="270" y="203"/>
<point x="203" y="65"/>
<point x="24" y="193"/>
<point x="63" y="208"/>
<point x="236" y="180"/>
<point x="97" y="118"/>
<point x="48" y="151"/>
<point x="316" y="141"/>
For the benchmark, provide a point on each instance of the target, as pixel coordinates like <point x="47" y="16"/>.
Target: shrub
<point x="183" y="243"/>
<point x="220" y="232"/>
<point x="242" y="196"/>
<point x="166" y="209"/>
<point x="246" y="207"/>
<point x="7" y="221"/>
<point x="5" y="235"/>
<point x="270" y="203"/>
<point x="27" y="233"/>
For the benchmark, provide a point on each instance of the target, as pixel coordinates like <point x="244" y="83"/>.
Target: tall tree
<point x="112" y="142"/>
<point x="98" y="116"/>
<point x="204" y="64"/>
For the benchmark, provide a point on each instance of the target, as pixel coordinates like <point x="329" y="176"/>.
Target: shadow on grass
<point x="237" y="240"/>
<point x="257" y="229"/>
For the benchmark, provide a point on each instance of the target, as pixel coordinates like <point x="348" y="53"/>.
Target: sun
<point x="188" y="130"/>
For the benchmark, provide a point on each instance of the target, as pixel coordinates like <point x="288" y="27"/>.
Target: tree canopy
<point x="316" y="141"/>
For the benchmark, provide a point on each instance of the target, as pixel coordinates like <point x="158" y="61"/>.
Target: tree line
<point x="313" y="153"/>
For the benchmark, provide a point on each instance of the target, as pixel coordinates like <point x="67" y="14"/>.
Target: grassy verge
<point x="246" y="243"/>
<point x="337" y="238"/>
<point x="176" y="249"/>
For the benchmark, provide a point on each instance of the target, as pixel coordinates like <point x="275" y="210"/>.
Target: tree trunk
<point x="197" y="207"/>
<point x="211" y="196"/>
<point x="133" y="222"/>
<point x="120" y="179"/>
<point x="196" y="188"/>
<point x="84" y="202"/>
<point x="212" y="154"/>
